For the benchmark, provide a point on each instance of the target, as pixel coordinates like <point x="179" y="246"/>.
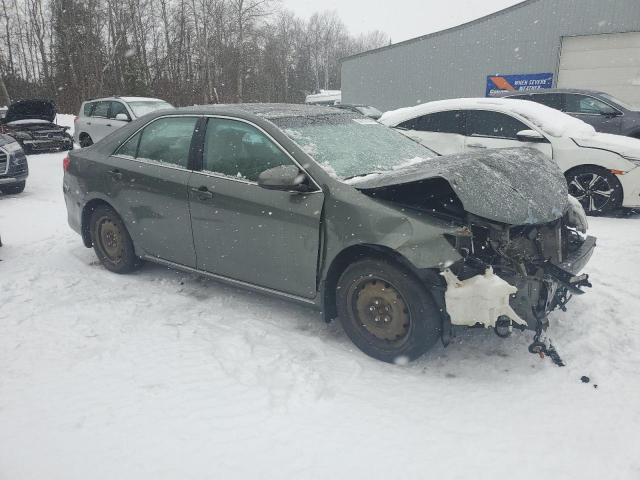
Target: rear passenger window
<point x="88" y="109"/>
<point x="167" y="140"/>
<point x="482" y="123"/>
<point x="101" y="109"/>
<point x="239" y="150"/>
<point x="442" y="122"/>
<point x="130" y="149"/>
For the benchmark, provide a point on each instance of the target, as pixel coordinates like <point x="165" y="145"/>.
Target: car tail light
<point x="66" y="163"/>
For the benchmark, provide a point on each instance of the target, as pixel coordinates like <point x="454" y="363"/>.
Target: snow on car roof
<point x="140" y="99"/>
<point x="551" y="121"/>
<point x="280" y="110"/>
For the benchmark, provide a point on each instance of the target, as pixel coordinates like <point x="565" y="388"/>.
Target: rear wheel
<point x="14" y="189"/>
<point x="85" y="140"/>
<point x="112" y="242"/>
<point x="386" y="311"/>
<point x="596" y="188"/>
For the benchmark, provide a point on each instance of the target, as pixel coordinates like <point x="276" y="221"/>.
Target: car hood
<point x="515" y="186"/>
<point x="625" y="146"/>
<point x="31" y="110"/>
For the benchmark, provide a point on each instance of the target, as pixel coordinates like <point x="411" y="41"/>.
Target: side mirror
<point x="122" y="117"/>
<point x="287" y="178"/>
<point x="530" y="136"/>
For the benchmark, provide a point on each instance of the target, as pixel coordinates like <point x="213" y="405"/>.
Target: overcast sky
<point x="401" y="19"/>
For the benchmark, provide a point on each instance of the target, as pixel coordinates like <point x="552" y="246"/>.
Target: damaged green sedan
<point x="331" y="209"/>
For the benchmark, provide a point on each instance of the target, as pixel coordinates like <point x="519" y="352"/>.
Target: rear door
<point x="442" y="132"/>
<point x="489" y="129"/>
<point x="148" y="180"/>
<point x="242" y="231"/>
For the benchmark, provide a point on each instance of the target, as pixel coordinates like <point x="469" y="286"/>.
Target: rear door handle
<point x="115" y="174"/>
<point x="88" y="123"/>
<point x="108" y="124"/>
<point x="476" y="145"/>
<point x="202" y="192"/>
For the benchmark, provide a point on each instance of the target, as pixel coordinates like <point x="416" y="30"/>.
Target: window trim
<point x="189" y="168"/>
<point x="199" y="161"/>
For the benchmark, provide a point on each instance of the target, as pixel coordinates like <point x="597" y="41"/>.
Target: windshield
<point x="141" y="108"/>
<point x="613" y="99"/>
<point x="348" y="145"/>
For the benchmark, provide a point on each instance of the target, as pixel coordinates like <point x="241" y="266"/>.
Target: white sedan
<point x="602" y="170"/>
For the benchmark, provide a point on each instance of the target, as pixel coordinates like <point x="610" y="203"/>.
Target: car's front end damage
<point x="521" y="240"/>
<point x="31" y="123"/>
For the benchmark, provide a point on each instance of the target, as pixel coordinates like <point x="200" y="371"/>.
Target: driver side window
<point x="237" y="149"/>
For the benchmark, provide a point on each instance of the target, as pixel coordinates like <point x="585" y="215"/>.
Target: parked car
<point x="604" y="112"/>
<point x="601" y="169"/>
<point x="365" y="110"/>
<point x="332" y="209"/>
<point x="32" y="124"/>
<point x="14" y="168"/>
<point x="99" y="117"/>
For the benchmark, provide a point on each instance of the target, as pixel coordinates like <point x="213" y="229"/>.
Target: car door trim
<point x="232" y="281"/>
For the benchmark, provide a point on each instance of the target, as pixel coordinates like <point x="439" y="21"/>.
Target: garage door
<point x="610" y="63"/>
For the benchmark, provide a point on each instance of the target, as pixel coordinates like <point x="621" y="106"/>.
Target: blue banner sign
<point x="514" y="83"/>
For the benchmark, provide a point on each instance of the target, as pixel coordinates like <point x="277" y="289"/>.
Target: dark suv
<point x="13" y="166"/>
<point x="606" y="113"/>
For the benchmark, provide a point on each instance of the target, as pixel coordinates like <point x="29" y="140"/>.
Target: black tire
<point x="597" y="189"/>
<point x="85" y="140"/>
<point x="14" y="189"/>
<point x="386" y="311"/>
<point x="112" y="242"/>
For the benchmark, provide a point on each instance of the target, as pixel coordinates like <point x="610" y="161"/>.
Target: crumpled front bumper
<point x="538" y="296"/>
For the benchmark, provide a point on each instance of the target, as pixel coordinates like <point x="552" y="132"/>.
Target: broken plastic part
<point x="482" y="299"/>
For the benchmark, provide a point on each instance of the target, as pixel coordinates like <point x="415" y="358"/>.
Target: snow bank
<point x="162" y="375"/>
<point x="552" y="122"/>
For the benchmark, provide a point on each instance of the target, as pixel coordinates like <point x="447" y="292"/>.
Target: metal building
<point x="592" y="44"/>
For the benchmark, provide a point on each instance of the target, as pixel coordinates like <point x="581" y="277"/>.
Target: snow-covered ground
<point x="162" y="375"/>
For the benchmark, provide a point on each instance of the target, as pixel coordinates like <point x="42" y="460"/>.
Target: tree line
<point x="184" y="51"/>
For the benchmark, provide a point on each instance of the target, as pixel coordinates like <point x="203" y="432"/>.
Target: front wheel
<point x="596" y="188"/>
<point x="112" y="242"/>
<point x="386" y="311"/>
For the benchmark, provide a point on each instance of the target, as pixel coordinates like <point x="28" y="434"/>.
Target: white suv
<point x="98" y="118"/>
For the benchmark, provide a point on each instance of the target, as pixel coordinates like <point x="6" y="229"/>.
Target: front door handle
<point x="476" y="145"/>
<point x="115" y="174"/>
<point x="108" y="124"/>
<point x="88" y="123"/>
<point x="202" y="192"/>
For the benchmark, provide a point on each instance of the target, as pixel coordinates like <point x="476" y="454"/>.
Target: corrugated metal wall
<point x="525" y="38"/>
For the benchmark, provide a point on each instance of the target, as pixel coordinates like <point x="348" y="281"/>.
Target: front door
<point x="148" y="180"/>
<point x="242" y="231"/>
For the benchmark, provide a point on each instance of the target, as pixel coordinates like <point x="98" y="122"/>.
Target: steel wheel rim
<point x="380" y="310"/>
<point x="592" y="190"/>
<point x="110" y="239"/>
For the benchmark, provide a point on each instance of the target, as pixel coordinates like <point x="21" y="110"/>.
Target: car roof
<point x="551" y="90"/>
<point x="126" y="99"/>
<point x="267" y="111"/>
